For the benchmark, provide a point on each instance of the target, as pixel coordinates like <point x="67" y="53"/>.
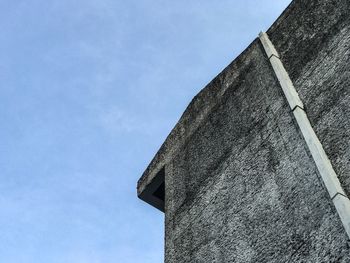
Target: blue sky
<point x="89" y="89"/>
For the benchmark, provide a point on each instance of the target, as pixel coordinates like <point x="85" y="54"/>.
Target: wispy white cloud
<point x="115" y="120"/>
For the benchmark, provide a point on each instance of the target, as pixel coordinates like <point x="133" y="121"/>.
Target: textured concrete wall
<point x="244" y="187"/>
<point x="313" y="39"/>
<point x="240" y="184"/>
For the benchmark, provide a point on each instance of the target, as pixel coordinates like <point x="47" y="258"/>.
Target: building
<point x="258" y="167"/>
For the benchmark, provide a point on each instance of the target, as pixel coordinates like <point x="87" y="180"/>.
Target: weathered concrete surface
<point x="240" y="184"/>
<point x="244" y="187"/>
<point x="190" y="120"/>
<point x="313" y="41"/>
<point x="320" y="158"/>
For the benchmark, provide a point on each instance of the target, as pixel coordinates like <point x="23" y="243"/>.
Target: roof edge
<point x="197" y="110"/>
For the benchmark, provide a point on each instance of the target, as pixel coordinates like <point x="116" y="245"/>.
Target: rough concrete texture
<point x="196" y="113"/>
<point x="313" y="40"/>
<point x="244" y="187"/>
<point x="240" y="184"/>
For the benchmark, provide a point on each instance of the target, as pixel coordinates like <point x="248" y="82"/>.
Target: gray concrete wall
<point x="313" y="39"/>
<point x="244" y="187"/>
<point x="240" y="184"/>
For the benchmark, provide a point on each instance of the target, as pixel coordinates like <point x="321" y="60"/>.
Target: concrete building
<point x="258" y="167"/>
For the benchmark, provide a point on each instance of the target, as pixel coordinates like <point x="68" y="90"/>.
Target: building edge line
<point x="330" y="179"/>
